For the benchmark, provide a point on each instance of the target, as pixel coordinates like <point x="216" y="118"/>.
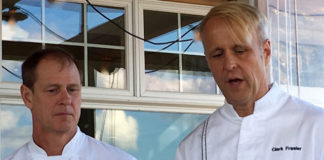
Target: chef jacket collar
<point x="270" y="103"/>
<point x="229" y="113"/>
<point x="69" y="149"/>
<point x="263" y="108"/>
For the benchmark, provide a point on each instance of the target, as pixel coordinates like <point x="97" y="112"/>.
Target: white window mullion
<point x="129" y="49"/>
<point x="140" y="49"/>
<point x="85" y="31"/>
<point x="180" y="53"/>
<point x="43" y="24"/>
<point x="288" y="57"/>
<point x="278" y="44"/>
<point x="137" y="51"/>
<point x="297" y="50"/>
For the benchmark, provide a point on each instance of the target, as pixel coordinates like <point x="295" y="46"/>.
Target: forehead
<point x="54" y="69"/>
<point x="215" y="24"/>
<point x="220" y="27"/>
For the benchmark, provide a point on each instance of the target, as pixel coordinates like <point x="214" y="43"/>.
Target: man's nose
<point x="65" y="97"/>
<point x="230" y="62"/>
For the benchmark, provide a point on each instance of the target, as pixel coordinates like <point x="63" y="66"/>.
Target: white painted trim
<point x="173" y="52"/>
<point x="43" y="30"/>
<point x="141" y="49"/>
<point x="85" y="45"/>
<point x="9" y="89"/>
<point x="150" y="108"/>
<point x="137" y="50"/>
<point x="185" y="96"/>
<point x="180" y="54"/>
<point x="115" y="3"/>
<point x="91" y="98"/>
<point x="174" y="7"/>
<point x="129" y="47"/>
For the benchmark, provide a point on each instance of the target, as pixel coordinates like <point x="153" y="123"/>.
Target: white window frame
<point x="172" y="7"/>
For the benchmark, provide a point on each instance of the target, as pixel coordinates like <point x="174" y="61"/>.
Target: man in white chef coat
<point x="258" y="121"/>
<point x="51" y="89"/>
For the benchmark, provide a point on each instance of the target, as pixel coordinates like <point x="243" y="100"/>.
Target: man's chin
<point x="65" y="128"/>
<point x="235" y="101"/>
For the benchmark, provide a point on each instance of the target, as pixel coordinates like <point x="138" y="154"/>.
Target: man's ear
<point x="266" y="48"/>
<point x="27" y="95"/>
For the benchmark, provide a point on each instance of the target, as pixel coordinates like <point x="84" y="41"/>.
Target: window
<point x="16" y="128"/>
<point x="133" y="131"/>
<point x="146" y="135"/>
<point x="19" y="31"/>
<point x="179" y="66"/>
<point x="98" y="45"/>
<point x="296" y="36"/>
<point x="173" y="70"/>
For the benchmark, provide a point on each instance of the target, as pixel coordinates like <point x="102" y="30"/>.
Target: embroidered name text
<point x="287" y="148"/>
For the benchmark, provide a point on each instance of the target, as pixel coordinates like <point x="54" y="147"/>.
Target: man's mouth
<point x="235" y="81"/>
<point x="63" y="114"/>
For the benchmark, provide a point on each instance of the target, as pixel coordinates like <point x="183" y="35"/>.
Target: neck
<point x="52" y="143"/>
<point x="247" y="108"/>
<point x="244" y="110"/>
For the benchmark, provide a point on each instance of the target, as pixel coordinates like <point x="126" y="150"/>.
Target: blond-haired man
<point x="258" y="121"/>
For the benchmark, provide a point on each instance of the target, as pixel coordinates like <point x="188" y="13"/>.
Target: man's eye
<point x="217" y="53"/>
<point x="240" y="50"/>
<point x="73" y="90"/>
<point x="52" y="90"/>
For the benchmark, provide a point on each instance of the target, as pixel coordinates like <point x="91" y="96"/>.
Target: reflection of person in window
<point x="52" y="91"/>
<point x="258" y="120"/>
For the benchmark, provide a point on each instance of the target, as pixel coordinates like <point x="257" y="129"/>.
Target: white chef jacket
<point x="282" y="127"/>
<point x="81" y="147"/>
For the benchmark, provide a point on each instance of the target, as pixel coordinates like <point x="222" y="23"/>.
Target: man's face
<point x="238" y="68"/>
<point x="56" y="98"/>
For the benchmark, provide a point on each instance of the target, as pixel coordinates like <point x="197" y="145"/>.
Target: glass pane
<point x="162" y="71"/>
<point x="13" y="55"/>
<point x="196" y="77"/>
<point x="189" y="24"/>
<point x="103" y="31"/>
<point x="106" y="68"/>
<point x="274" y="36"/>
<point x="157" y="30"/>
<point x="64" y="22"/>
<point x="21" y="20"/>
<point x="281" y="66"/>
<point x="16" y="128"/>
<point x="76" y="51"/>
<point x="311" y="47"/>
<point x="146" y="135"/>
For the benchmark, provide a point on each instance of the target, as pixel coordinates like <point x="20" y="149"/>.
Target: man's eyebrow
<point x="52" y="85"/>
<point x="239" y="46"/>
<point x="75" y="85"/>
<point x="57" y="85"/>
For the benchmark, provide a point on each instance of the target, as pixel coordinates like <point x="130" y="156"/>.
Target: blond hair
<point x="241" y="19"/>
